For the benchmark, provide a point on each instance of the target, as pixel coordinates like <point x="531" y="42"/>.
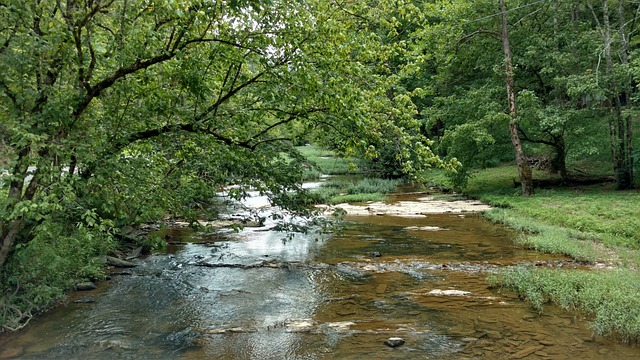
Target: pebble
<point x="381" y="288"/>
<point x="394" y="342"/>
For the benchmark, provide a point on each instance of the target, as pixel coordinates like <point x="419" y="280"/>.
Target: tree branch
<point x="292" y="116"/>
<point x="481" y="31"/>
<point x="228" y="95"/>
<point x="107" y="82"/>
<point x="525" y="137"/>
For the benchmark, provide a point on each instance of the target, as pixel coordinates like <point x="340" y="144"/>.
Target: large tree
<point x="118" y="110"/>
<point x="572" y="81"/>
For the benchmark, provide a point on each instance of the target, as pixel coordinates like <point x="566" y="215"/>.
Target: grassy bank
<point x="594" y="223"/>
<point x="360" y="184"/>
<point x="326" y="162"/>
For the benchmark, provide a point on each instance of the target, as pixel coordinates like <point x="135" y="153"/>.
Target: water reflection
<point x="253" y="295"/>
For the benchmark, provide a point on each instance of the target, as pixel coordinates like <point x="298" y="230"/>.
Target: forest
<point x="115" y="113"/>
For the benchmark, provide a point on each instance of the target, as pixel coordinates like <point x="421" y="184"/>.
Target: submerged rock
<point x="85" y="300"/>
<point x="394" y="342"/>
<point x="296" y="326"/>
<point x="114" y="261"/>
<point x="438" y="292"/>
<point x="84" y="286"/>
<point x="526" y="352"/>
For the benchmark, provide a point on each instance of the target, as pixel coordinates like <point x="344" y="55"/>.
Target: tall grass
<point x="365" y="189"/>
<point x="612" y="298"/>
<point x="587" y="223"/>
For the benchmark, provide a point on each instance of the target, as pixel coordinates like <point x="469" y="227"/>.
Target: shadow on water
<point x="252" y="295"/>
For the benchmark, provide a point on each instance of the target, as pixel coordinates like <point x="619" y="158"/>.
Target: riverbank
<point x="592" y="223"/>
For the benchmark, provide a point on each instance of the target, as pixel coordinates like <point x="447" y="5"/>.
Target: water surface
<point x="256" y="295"/>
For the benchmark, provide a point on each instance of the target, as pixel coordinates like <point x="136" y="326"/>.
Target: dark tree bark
<point x="524" y="171"/>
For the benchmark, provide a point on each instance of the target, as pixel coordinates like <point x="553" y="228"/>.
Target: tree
<point x="119" y="110"/>
<point x="524" y="171"/>
<point x="562" y="90"/>
<point x="618" y="87"/>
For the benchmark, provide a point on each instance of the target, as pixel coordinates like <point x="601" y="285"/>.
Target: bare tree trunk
<point x="613" y="130"/>
<point x="626" y="126"/>
<point x="524" y="171"/>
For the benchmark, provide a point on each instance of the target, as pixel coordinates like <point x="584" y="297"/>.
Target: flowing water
<point x="258" y="295"/>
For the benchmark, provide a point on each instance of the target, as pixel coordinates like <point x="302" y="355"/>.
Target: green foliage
<point x="607" y="216"/>
<point x="122" y="112"/>
<point x="609" y="296"/>
<point x="366" y="189"/>
<point x="352" y="198"/>
<point x="58" y="257"/>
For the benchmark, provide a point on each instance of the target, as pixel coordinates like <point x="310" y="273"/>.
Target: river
<point x="257" y="294"/>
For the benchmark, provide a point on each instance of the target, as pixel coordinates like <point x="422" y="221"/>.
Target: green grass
<point x="351" y="189"/>
<point x="326" y="162"/>
<point x="611" y="297"/>
<point x="587" y="223"/>
<point x="348" y="190"/>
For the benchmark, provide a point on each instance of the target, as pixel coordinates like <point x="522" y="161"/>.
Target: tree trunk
<point x="626" y="131"/>
<point x="524" y="171"/>
<point x="559" y="161"/>
<point x="618" y="125"/>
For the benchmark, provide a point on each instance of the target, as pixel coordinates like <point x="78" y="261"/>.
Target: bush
<point x="41" y="271"/>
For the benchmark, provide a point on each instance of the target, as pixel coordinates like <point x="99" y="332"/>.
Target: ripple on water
<point x="427" y="286"/>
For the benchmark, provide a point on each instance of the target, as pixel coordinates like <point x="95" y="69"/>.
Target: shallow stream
<point x="256" y="295"/>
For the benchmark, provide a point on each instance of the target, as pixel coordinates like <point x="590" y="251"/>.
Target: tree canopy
<point x="118" y="111"/>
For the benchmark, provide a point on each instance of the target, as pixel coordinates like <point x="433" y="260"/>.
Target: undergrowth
<point x="326" y="162"/>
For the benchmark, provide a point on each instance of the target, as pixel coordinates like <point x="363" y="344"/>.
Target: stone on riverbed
<point x="416" y="208"/>
<point x="394" y="342"/>
<point x="85" y="300"/>
<point x="438" y="292"/>
<point x="526" y="352"/>
<point x="424" y="228"/>
<point x="297" y="326"/>
<point x="114" y="261"/>
<point x="84" y="286"/>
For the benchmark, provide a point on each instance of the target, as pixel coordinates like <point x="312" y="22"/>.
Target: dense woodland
<point x="118" y="112"/>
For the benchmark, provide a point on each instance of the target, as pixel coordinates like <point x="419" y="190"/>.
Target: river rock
<point x="84" y="286"/>
<point x="526" y="352"/>
<point x="438" y="292"/>
<point x="297" y="326"/>
<point x="114" y="261"/>
<point x="11" y="352"/>
<point x="135" y="253"/>
<point x="340" y="326"/>
<point x="394" y="342"/>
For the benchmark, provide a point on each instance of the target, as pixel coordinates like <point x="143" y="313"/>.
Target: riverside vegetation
<point x="594" y="224"/>
<point x="117" y="113"/>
